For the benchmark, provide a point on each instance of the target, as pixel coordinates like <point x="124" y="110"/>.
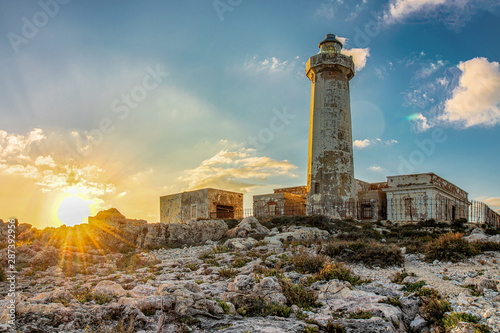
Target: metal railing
<point x="479" y="212"/>
<point x="425" y="208"/>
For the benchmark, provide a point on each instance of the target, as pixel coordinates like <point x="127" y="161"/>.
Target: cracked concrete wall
<point x="192" y="205"/>
<point x="283" y="203"/>
<point x="424" y="196"/>
<point x="330" y="176"/>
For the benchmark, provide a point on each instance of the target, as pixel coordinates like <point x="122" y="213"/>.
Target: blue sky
<point x="112" y="104"/>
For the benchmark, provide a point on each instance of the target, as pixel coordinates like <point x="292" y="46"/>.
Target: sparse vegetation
<point x="334" y="328"/>
<point x="306" y="263"/>
<point x="298" y="294"/>
<point x="259" y="307"/>
<point x="414" y="287"/>
<point x="3" y="276"/>
<point x="434" y="307"/>
<point x="360" y="315"/>
<point x="227" y="273"/>
<point x="450" y="247"/>
<point x="369" y="253"/>
<point x="334" y="270"/>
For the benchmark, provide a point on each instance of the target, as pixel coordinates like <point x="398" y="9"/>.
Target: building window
<point x="225" y="212"/>
<point x="316" y="188"/>
<point x="194" y="212"/>
<point x="366" y="211"/>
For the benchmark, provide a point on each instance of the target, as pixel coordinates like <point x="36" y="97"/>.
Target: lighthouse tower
<point x="330" y="175"/>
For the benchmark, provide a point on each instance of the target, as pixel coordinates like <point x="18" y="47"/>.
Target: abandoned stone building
<point x="424" y="196"/>
<point x="288" y="201"/>
<point x="207" y="203"/>
<point x="401" y="198"/>
<point x="331" y="187"/>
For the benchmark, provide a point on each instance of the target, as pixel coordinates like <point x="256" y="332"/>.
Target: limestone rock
<point x="57" y="295"/>
<point x="418" y="323"/>
<point x="485" y="283"/>
<point x="109" y="288"/>
<point x="196" y="232"/>
<point x="248" y="227"/>
<point x="270" y="290"/>
<point x="309" y="234"/>
<point x="143" y="290"/>
<point x="240" y="243"/>
<point x="243" y="283"/>
<point x="265" y="325"/>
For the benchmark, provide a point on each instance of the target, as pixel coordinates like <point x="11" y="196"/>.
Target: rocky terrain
<point x="295" y="275"/>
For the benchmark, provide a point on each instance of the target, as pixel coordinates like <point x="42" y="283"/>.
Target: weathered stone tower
<point x="330" y="175"/>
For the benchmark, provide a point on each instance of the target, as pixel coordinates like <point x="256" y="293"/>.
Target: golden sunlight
<point x="73" y="209"/>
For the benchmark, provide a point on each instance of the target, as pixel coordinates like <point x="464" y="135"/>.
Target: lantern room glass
<point x="330" y="47"/>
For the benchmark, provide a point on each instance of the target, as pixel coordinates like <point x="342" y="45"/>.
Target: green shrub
<point x="451" y="321"/>
<point x="227" y="273"/>
<point x="369" y="253"/>
<point x="334" y="270"/>
<point x="360" y="315"/>
<point x="3" y="276"/>
<point x="334" y="328"/>
<point x="450" y="247"/>
<point x="398" y="277"/>
<point x="257" y="307"/>
<point x="414" y="287"/>
<point x="240" y="262"/>
<point x="434" y="308"/>
<point x="394" y="301"/>
<point x="223" y="305"/>
<point x="318" y="221"/>
<point x="306" y="263"/>
<point x="298" y="294"/>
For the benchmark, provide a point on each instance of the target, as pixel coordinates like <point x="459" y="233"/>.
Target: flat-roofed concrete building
<point x="424" y="196"/>
<point x="287" y="201"/>
<point x="207" y="203"/>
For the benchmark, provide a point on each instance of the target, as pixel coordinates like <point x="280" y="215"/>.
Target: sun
<point x="73" y="209"/>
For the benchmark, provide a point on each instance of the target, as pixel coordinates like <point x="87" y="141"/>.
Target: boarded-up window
<point x="194" y="212"/>
<point x="225" y="212"/>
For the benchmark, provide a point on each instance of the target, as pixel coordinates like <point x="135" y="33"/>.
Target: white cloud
<point x="376" y="168"/>
<point x="430" y="68"/>
<point x="18" y="153"/>
<point x="45" y="160"/>
<point x="360" y="144"/>
<point x="359" y="56"/>
<point x="270" y="65"/>
<point x="17" y="145"/>
<point x="476" y="100"/>
<point x="401" y="9"/>
<point x="326" y="11"/>
<point x="237" y="170"/>
<point x="452" y="12"/>
<point x="421" y="123"/>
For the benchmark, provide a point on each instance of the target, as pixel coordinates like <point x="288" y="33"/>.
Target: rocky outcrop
<point x="248" y="227"/>
<point x="478" y="234"/>
<point x="295" y="233"/>
<point x="114" y="228"/>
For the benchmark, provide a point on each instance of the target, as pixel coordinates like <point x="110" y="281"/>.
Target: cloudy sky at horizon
<point x="115" y="104"/>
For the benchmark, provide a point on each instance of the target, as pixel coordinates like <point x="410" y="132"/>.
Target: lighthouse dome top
<point x="330" y="44"/>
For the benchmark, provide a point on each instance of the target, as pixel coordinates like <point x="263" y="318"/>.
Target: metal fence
<point x="394" y="209"/>
<point x="424" y="208"/>
<point x="479" y="212"/>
